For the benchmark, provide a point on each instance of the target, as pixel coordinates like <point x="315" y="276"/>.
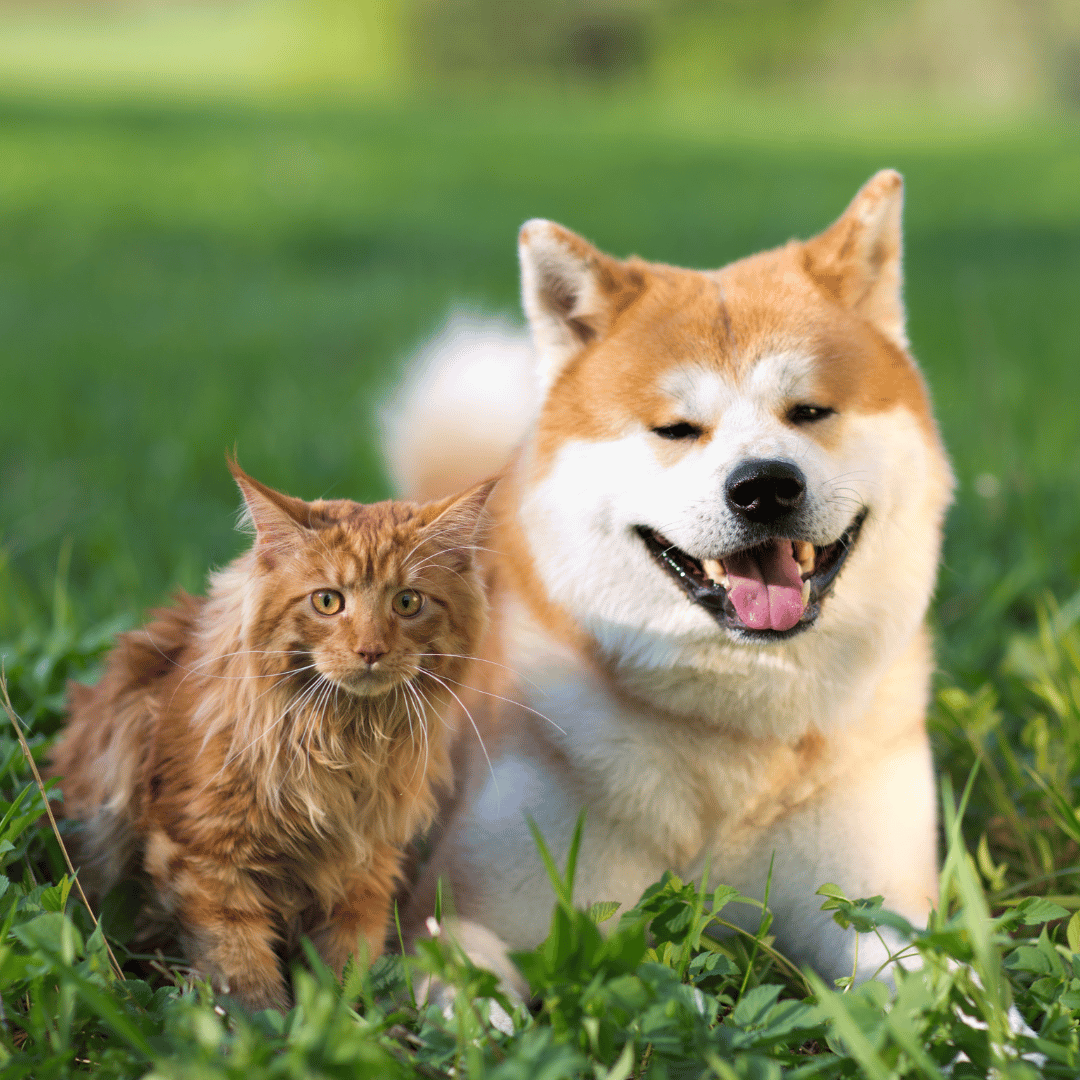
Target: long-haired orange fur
<point x="262" y="755"/>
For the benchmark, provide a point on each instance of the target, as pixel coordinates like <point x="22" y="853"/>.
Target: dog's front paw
<point x="484" y="950"/>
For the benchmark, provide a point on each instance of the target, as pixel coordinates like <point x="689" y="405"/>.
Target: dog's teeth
<point x="804" y="555"/>
<point x="714" y="569"/>
<point x="805" y="592"/>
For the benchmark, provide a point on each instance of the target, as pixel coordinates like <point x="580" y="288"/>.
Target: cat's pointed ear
<point x="858" y="258"/>
<point x="571" y="292"/>
<point x="277" y="519"/>
<point x="460" y="520"/>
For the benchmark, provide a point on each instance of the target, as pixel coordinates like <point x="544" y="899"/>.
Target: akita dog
<point x="712" y="556"/>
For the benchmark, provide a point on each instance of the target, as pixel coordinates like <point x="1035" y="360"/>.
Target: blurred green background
<point x="228" y="223"/>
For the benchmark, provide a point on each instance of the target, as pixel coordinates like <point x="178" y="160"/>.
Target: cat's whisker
<point x="273" y="686"/>
<point x="421" y="705"/>
<point x="456" y="547"/>
<point x="277" y="675"/>
<point x="412" y="740"/>
<point x="408" y="716"/>
<point x="427" y="741"/>
<point x="299" y="710"/>
<point x="358" y="744"/>
<point x="487" y="756"/>
<point x="190" y="671"/>
<point x="309" y="711"/>
<point x="494" y="663"/>
<point x="425" y="538"/>
<point x="431" y="559"/>
<point x="412" y="737"/>
<point x="296" y="742"/>
<point x="225" y="656"/>
<point x="432" y="537"/>
<point x="418" y="579"/>
<point x="234" y="756"/>
<point x="292" y="707"/>
<point x="302" y="694"/>
<point x="212" y="729"/>
<point x="321" y="727"/>
<point x="499" y="697"/>
<point x="419" y="543"/>
<point x="315" y="730"/>
<point x="268" y="675"/>
<point x="253" y="652"/>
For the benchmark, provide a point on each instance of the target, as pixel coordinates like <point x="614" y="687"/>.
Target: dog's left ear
<point x="571" y="292"/>
<point x="858" y="258"/>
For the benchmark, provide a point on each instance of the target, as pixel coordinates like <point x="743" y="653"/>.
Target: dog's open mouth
<point x="771" y="590"/>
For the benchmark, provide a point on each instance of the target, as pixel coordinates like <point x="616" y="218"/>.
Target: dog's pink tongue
<point x="766" y="586"/>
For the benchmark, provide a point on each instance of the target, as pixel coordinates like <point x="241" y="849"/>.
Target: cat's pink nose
<point x="369" y="655"/>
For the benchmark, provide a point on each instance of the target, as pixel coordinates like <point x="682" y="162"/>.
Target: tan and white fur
<point x="688" y="738"/>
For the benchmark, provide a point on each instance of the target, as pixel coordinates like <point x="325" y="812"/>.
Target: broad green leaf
<point x="1034" y="910"/>
<point x="53" y="934"/>
<point x="603" y="910"/>
<point x="1028" y="958"/>
<point x="1072" y="931"/>
<point x="833" y="892"/>
<point x="724" y="895"/>
<point x="754" y="1005"/>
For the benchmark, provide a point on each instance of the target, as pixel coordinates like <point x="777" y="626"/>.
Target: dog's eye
<point x="681" y="430"/>
<point x="809" y="414"/>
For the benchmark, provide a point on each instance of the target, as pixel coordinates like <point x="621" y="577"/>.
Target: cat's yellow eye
<point x="408" y="603"/>
<point x="327" y="601"/>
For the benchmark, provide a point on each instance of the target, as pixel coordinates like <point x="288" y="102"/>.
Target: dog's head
<point x="745" y="455"/>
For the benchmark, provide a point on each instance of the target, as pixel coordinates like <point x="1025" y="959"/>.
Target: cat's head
<point x="363" y="596"/>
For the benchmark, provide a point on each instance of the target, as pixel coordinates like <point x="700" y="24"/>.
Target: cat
<point x="260" y="757"/>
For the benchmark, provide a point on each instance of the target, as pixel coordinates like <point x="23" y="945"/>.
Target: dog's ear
<point x="858" y="258"/>
<point x="571" y="293"/>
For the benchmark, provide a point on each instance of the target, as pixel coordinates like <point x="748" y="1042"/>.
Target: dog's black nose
<point x="764" y="490"/>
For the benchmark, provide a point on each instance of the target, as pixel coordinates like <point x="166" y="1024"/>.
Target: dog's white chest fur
<point x="663" y="793"/>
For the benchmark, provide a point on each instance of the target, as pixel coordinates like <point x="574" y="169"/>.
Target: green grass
<point x="174" y="281"/>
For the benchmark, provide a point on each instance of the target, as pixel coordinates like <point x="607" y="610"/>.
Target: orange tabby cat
<point x="263" y="754"/>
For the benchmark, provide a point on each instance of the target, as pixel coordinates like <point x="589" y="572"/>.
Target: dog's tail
<point x="465" y="401"/>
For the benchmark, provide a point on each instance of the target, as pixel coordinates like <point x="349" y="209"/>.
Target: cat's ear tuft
<point x="857" y="259"/>
<point x="276" y="519"/>
<point x="460" y="521"/>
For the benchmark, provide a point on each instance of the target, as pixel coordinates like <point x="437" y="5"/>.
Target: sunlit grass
<point x="176" y="280"/>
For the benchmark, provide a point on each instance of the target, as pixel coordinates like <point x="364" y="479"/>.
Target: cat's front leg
<point x="226" y="922"/>
<point x="359" y="922"/>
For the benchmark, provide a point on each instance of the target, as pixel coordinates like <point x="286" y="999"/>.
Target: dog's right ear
<point x="571" y="293"/>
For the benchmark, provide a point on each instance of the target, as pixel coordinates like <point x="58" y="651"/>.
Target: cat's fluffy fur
<point x="245" y="754"/>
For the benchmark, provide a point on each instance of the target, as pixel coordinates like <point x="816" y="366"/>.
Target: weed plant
<point x="176" y="280"/>
<point x="671" y="989"/>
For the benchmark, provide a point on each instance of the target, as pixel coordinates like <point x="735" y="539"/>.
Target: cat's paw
<point x="254" y="995"/>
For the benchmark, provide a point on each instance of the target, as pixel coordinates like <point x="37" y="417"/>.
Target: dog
<point x="713" y="551"/>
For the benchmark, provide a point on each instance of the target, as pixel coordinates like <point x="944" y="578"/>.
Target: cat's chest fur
<point x="303" y="816"/>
